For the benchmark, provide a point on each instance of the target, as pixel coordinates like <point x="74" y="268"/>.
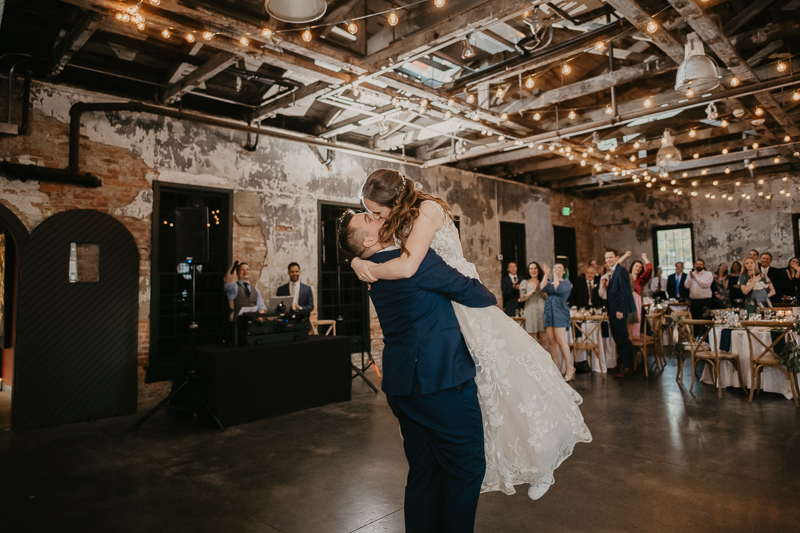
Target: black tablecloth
<point x="246" y="383"/>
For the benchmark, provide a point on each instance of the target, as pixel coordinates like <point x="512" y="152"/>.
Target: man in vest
<point x="239" y="291"/>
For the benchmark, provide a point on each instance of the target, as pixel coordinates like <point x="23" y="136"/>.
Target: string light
<point x="633" y="158"/>
<point x="727" y="170"/>
<point x="796" y="96"/>
<point x="685" y="175"/>
<point x="751" y="166"/>
<point x="448" y="115"/>
<point x="692" y="133"/>
<point x="648" y="103"/>
<point x="651" y="27"/>
<point x="565" y="69"/>
<point x="155" y="2"/>
<point x="352" y="27"/>
<point x="537" y="116"/>
<point x="190" y="37"/>
<point x="599" y="46"/>
<point x="781" y="66"/>
<point x="500" y="92"/>
<point x="724" y="123"/>
<point x="759" y="111"/>
<point x="673" y="182"/>
<point x="244" y="41"/>
<point x="267" y="33"/>
<point x="704" y="171"/>
<point x="786" y="139"/>
<point x="438" y="3"/>
<point x="761" y="182"/>
<point x="734" y="81"/>
<point x="689" y="93"/>
<point x="636" y="145"/>
<point x="470" y="98"/>
<point x="165" y="34"/>
<point x="552" y="148"/>
<point x="529" y="83"/>
<point x="572" y="115"/>
<point x="755" y="146"/>
<point x="393" y="18"/>
<point x="503" y="117"/>
<point x="609" y="109"/>
<point x="738" y="183"/>
<point x="776" y="160"/>
<point x="306" y="35"/>
<point x="715" y="183"/>
<point x="724" y="151"/>
<point x="695" y="155"/>
<point x="207" y="35"/>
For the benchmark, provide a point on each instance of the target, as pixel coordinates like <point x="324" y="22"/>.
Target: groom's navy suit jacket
<point x="420" y="328"/>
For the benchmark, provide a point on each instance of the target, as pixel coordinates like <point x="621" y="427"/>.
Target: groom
<point x="428" y="380"/>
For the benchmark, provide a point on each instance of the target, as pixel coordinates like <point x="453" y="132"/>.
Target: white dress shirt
<point x="294" y="291"/>
<point x="654" y="285"/>
<point x="700" y="285"/>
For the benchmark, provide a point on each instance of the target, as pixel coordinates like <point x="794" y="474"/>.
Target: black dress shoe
<point x="624" y="372"/>
<point x="613" y="370"/>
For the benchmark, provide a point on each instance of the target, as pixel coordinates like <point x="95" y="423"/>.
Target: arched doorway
<point x="13" y="236"/>
<point x="76" y="353"/>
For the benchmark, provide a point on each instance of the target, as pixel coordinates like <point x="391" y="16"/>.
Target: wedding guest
<point x="616" y="288"/>
<point x="531" y="295"/>
<point x="792" y="281"/>
<point x="699" y="285"/>
<point x="720" y="286"/>
<point x="734" y="289"/>
<point x="556" y="316"/>
<point x="754" y="254"/>
<point x="640" y="275"/>
<point x="755" y="286"/>
<point x="584" y="292"/>
<point x="658" y="286"/>
<point x="775" y="275"/>
<point x="676" y="284"/>
<point x="510" y="288"/>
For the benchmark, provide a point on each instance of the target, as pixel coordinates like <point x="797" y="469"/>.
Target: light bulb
<point x="760" y="193"/>
<point x="727" y="170"/>
<point x="155" y="2"/>
<point x="451" y="101"/>
<point x="470" y="98"/>
<point x="448" y="115"/>
<point x="503" y="117"/>
<point x="119" y="16"/>
<point x="761" y="182"/>
<point x="244" y="41"/>
<point x="663" y="188"/>
<point x="133" y="10"/>
<point x="140" y="26"/>
<point x="424" y="103"/>
<point x="537" y="116"/>
<point x="609" y="109"/>
<point x="692" y="133"/>
<point x="724" y="151"/>
<point x="501" y="138"/>
<point x="648" y="103"/>
<point x="438" y="3"/>
<point x="715" y="182"/>
<point x="612" y="148"/>
<point x="267" y="32"/>
<point x="125" y="17"/>
<point x="207" y="35"/>
<point x="695" y="155"/>
<point x="781" y="66"/>
<point x="734" y="81"/>
<point x="724" y="123"/>
<point x="607" y="157"/>
<point x="673" y="182"/>
<point x="599" y="46"/>
<point x="552" y="148"/>
<point x="565" y="69"/>
<point x="648" y="184"/>
<point x="529" y="83"/>
<point x="759" y="111"/>
<point x="633" y="158"/>
<point x="689" y="93"/>
<point x="685" y="175"/>
<point x="590" y="149"/>
<point x="352" y="27"/>
<point x="776" y="160"/>
<point x="751" y="166"/>
<point x="755" y="146"/>
<point x="704" y="171"/>
<point x="636" y="145"/>
<point x="786" y="139"/>
<point x="652" y="26"/>
<point x="540" y="147"/>
<point x="796" y="96"/>
<point x="393" y="18"/>
<point x="499" y="93"/>
<point x="583" y="162"/>
<point x="738" y="183"/>
<point x="165" y="34"/>
<point x="694" y="184"/>
<point x="572" y="114"/>
<point x="306" y="35"/>
<point x="190" y="37"/>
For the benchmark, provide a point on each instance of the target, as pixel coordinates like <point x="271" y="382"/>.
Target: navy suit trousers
<point x="443" y="443"/>
<point x="619" y="331"/>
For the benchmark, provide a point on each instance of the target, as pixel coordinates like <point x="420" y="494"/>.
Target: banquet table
<point x="608" y="349"/>
<point x="735" y="340"/>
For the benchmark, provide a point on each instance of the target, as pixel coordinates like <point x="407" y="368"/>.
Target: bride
<point x="531" y="417"/>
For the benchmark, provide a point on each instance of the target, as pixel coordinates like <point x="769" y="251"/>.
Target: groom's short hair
<point x="351" y="240"/>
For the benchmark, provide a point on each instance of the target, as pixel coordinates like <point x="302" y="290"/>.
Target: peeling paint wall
<point x="277" y="190"/>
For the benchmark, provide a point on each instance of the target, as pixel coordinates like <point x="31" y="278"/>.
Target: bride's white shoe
<point x="536" y="490"/>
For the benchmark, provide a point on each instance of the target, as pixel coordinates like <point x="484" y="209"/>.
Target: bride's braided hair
<point x="389" y="188"/>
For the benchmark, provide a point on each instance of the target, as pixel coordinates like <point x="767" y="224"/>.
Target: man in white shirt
<point x="699" y="284"/>
<point x="302" y="298"/>
<point x="239" y="290"/>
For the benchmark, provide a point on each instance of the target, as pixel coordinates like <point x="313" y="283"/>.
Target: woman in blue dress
<point x="556" y="316"/>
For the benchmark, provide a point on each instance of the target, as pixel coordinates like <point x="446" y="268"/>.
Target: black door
<point x="566" y="250"/>
<point x="512" y="245"/>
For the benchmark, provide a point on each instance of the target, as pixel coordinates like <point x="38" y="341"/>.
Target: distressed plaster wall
<point x="724" y="230"/>
<point x="582" y="219"/>
<point x="276" y="192"/>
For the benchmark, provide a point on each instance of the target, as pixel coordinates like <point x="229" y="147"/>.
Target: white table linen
<point x="608" y="351"/>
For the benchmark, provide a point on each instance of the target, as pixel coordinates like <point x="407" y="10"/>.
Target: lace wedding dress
<point x="531" y="419"/>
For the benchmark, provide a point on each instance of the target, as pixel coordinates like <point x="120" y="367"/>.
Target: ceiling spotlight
<point x="352" y="27"/>
<point x="306" y="35"/>
<point x="565" y="69"/>
<point x="781" y="66"/>
<point x="529" y="83"/>
<point x="165" y="34"/>
<point x="698" y="73"/>
<point x="190" y="37"/>
<point x="599" y="46"/>
<point x="572" y="115"/>
<point x="207" y="35"/>
<point x="393" y="18"/>
<point x="648" y="103"/>
<point x="609" y="109"/>
<point x="467" y="52"/>
<point x="438" y="3"/>
<point x="692" y="133"/>
<point x="734" y="81"/>
<point x="537" y="116"/>
<point x="651" y="27"/>
<point x="759" y="111"/>
<point x="244" y="41"/>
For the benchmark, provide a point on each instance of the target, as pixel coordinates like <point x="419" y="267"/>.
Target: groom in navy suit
<point x="428" y="380"/>
<point x="620" y="305"/>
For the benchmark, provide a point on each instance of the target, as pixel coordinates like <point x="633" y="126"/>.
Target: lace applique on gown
<point x="531" y="419"/>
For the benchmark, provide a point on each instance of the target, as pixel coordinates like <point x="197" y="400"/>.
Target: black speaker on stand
<point x="191" y="246"/>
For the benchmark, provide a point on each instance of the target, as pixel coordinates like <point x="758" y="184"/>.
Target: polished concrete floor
<point x="663" y="459"/>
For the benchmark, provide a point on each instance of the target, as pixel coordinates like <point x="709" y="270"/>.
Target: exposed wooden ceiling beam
<point x="772" y="32"/>
<point x="744" y="16"/>
<point x="309" y="91"/>
<point x="211" y="68"/>
<point x="74" y="41"/>
<point x="339" y="13"/>
<point x="631" y="10"/>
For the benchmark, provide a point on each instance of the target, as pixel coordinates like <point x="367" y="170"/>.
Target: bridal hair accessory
<point x="402" y="185"/>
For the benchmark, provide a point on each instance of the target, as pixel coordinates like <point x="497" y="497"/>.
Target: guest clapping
<point x="556" y="316"/>
<point x="530" y="291"/>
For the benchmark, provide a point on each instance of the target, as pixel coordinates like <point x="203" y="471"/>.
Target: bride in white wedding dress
<point x="531" y="418"/>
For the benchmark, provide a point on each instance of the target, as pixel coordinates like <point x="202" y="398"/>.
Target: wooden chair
<point x="708" y="351"/>
<point x="330" y="323"/>
<point x="590" y="328"/>
<point x="683" y="341"/>
<point x="643" y="343"/>
<point x="764" y="356"/>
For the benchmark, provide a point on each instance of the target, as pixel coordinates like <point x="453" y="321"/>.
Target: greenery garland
<point x="790" y="355"/>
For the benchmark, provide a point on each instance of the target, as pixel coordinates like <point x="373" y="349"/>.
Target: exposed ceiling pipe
<point x="588" y="127"/>
<point x="77" y="111"/>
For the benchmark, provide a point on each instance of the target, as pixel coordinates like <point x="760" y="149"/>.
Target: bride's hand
<point x="361" y="269"/>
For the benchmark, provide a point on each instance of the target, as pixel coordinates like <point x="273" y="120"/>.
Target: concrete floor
<point x="663" y="459"/>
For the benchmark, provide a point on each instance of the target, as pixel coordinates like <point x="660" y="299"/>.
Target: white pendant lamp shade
<point x="296" y="11"/>
<point x="668" y="156"/>
<point x="698" y="71"/>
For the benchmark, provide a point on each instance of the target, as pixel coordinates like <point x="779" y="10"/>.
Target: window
<point x="673" y="244"/>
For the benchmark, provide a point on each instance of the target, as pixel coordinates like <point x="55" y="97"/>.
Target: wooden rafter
<point x="74" y="41"/>
<point x="289" y="100"/>
<point x="211" y="68"/>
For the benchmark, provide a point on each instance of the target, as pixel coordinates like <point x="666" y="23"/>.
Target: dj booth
<point x="247" y="383"/>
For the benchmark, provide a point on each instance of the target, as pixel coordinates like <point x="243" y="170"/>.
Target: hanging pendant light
<point x="668" y="156"/>
<point x="698" y="71"/>
<point x="296" y="11"/>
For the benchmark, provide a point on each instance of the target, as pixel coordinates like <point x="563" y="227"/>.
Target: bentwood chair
<point x="589" y="327"/>
<point x="682" y="341"/>
<point x="706" y="348"/>
<point x="764" y="355"/>
<point x="642" y="345"/>
<point x="315" y="324"/>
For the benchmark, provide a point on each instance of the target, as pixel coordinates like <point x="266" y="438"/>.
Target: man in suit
<point x="617" y="289"/>
<point x="303" y="300"/>
<point x="585" y="292"/>
<point x="776" y="275"/>
<point x="676" y="284"/>
<point x="510" y="288"/>
<point x="428" y="380"/>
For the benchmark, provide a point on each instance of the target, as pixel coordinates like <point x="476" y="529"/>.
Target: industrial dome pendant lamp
<point x="668" y="156"/>
<point x="698" y="72"/>
<point x="296" y="11"/>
